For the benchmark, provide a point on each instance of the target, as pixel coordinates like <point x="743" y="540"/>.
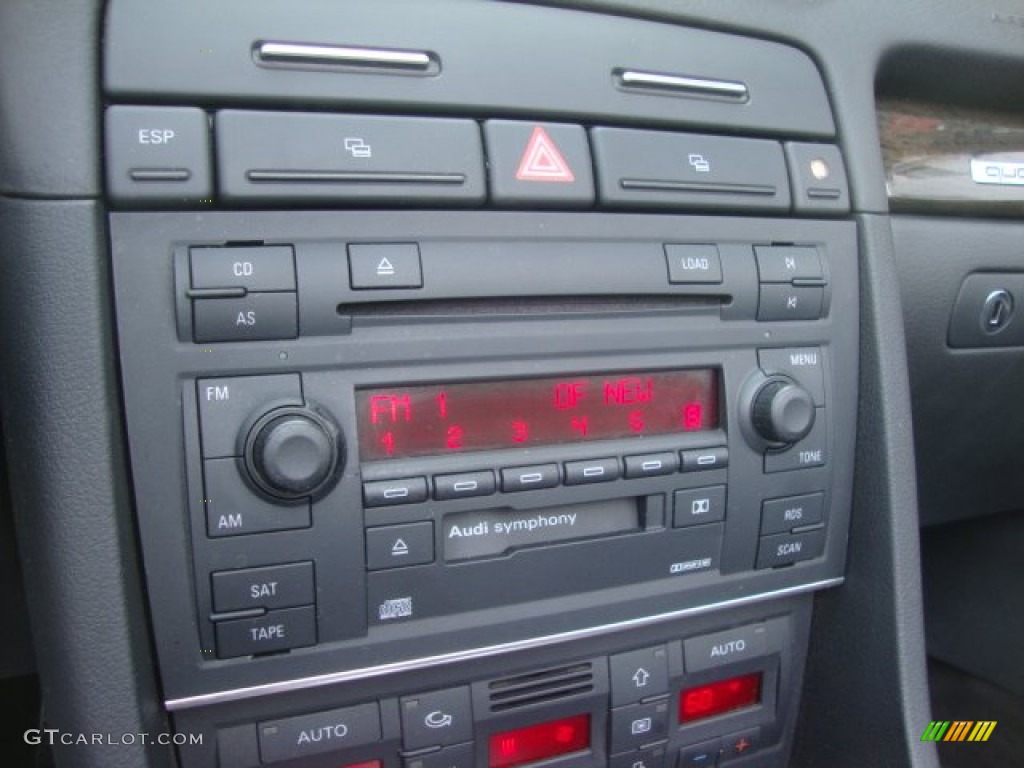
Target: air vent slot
<point x="541" y="687"/>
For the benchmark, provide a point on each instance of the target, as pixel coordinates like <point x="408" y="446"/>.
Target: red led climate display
<point x="539" y="742"/>
<point x="523" y="413"/>
<point x="719" y="697"/>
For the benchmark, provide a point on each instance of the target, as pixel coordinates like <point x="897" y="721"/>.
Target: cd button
<point x="464" y="484"/>
<point x="651" y="464"/>
<point x="385" y="493"/>
<point x="529" y="478"/>
<point x="591" y="471"/>
<point x="705" y="458"/>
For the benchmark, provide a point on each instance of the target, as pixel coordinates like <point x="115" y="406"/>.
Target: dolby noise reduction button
<point x="529" y="478"/>
<point x="464" y="484"/>
<point x="396" y="546"/>
<point x="591" y="471"/>
<point x="699" y="505"/>
<point x="386" y="493"/>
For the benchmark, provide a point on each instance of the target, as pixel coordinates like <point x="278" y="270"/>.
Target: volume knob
<point x="292" y="452"/>
<point x="783" y="411"/>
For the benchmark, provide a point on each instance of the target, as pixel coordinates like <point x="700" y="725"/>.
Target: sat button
<point x="277" y="586"/>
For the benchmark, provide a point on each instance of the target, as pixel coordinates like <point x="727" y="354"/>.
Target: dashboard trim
<point x="316" y="681"/>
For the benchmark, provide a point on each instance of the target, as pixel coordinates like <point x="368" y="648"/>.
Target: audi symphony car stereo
<point x="561" y="407"/>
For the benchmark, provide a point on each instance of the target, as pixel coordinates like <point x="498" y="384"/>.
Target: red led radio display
<point x="524" y="413"/>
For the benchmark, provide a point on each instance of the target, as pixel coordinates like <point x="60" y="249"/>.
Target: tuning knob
<point x="783" y="411"/>
<point x="293" y="452"/>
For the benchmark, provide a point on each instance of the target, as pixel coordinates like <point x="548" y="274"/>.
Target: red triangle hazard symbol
<point x="542" y="161"/>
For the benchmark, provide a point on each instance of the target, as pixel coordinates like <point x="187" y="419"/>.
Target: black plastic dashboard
<point x="453" y="195"/>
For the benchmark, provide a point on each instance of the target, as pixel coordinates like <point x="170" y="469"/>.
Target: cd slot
<point x="528" y="306"/>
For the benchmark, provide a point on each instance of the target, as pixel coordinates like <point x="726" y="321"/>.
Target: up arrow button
<point x="639" y="675"/>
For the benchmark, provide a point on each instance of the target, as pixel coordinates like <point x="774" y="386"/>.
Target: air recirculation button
<point x="293" y="453"/>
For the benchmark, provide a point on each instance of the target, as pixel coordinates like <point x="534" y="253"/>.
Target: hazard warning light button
<point x="539" y="164"/>
<point x="385" y="265"/>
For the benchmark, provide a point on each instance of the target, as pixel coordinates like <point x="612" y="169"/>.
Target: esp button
<point x="158" y="154"/>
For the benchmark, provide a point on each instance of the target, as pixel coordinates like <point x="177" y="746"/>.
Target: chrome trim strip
<point x="352" y="177"/>
<point x="303" y="683"/>
<point x="298" y="53"/>
<point x="692" y="86"/>
<point x="707" y="187"/>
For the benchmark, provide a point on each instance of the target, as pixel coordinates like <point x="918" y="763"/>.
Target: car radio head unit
<point x="419" y="467"/>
